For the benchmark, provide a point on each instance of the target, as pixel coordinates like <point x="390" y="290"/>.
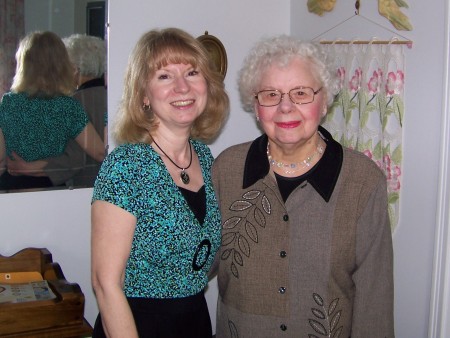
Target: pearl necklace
<point x="184" y="177"/>
<point x="290" y="168"/>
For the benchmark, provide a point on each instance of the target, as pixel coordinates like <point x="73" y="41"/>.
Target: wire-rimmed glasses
<point x="298" y="95"/>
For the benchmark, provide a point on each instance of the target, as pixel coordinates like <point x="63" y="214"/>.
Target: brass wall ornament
<point x="217" y="52"/>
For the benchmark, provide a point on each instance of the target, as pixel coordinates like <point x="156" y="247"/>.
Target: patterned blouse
<point x="171" y="251"/>
<point x="37" y="128"/>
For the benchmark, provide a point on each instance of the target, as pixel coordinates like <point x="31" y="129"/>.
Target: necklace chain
<point x="290" y="168"/>
<point x="183" y="175"/>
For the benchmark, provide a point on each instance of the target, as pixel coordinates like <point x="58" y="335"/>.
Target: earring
<point x="257" y="118"/>
<point x="146" y="107"/>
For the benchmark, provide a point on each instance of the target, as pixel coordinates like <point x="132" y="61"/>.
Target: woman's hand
<point x="17" y="166"/>
<point x="91" y="143"/>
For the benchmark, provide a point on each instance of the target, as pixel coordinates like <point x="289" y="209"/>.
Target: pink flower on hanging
<point x="393" y="178"/>
<point x="341" y="76"/>
<point x="390" y="83"/>
<point x="395" y="82"/>
<point x="387" y="162"/>
<point x="400" y="81"/>
<point x="368" y="153"/>
<point x="393" y="173"/>
<point x="355" y="81"/>
<point x="375" y="82"/>
<point x="372" y="85"/>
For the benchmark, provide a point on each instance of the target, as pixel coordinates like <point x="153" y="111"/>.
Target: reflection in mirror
<point x="52" y="130"/>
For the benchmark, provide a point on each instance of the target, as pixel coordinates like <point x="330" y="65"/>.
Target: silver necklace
<point x="183" y="175"/>
<point x="290" y="168"/>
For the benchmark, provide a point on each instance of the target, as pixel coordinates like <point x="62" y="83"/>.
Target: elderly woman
<point x="306" y="242"/>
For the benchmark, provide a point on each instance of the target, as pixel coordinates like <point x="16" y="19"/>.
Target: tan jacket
<point x="319" y="265"/>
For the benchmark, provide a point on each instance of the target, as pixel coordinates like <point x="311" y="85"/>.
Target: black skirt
<point x="167" y="318"/>
<point x="9" y="182"/>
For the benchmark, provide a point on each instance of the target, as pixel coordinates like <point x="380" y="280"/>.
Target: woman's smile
<point x="183" y="103"/>
<point x="288" y="125"/>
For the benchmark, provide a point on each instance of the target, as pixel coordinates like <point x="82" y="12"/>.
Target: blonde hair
<point x="155" y="49"/>
<point x="43" y="66"/>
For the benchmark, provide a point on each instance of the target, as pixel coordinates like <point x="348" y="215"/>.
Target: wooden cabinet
<point x="60" y="317"/>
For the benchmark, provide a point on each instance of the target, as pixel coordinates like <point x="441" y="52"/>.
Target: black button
<point x="282" y="290"/>
<point x="283" y="327"/>
<point x="283" y="254"/>
<point x="285" y="218"/>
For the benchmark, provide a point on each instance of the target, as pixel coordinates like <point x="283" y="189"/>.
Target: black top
<point x="196" y="201"/>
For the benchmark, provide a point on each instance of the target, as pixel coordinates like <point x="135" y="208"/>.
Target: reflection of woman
<point x="155" y="218"/>
<point x="306" y="246"/>
<point x="74" y="167"/>
<point x="38" y="117"/>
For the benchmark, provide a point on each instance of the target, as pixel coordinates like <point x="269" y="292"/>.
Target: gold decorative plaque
<point x="216" y="51"/>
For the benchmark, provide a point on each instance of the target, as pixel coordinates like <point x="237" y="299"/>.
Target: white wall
<point x="60" y="220"/>
<point x="54" y="15"/>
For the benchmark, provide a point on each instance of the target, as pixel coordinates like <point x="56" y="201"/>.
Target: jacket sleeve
<point x="373" y="277"/>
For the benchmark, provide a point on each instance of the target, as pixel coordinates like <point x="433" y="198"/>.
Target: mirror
<point x="64" y="18"/>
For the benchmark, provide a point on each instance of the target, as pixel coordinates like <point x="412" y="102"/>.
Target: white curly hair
<point x="281" y="50"/>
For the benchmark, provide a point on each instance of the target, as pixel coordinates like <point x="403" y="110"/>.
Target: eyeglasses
<point x="299" y="95"/>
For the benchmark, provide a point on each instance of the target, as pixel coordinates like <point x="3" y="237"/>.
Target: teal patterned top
<point x="37" y="128"/>
<point x="167" y="259"/>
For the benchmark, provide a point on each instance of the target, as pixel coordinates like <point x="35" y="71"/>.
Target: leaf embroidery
<point x="241" y="230"/>
<point x="266" y="205"/>
<point x="317" y="313"/>
<point x="244" y="246"/>
<point x="237" y="258"/>
<point x="260" y="218"/>
<point x="333" y="305"/>
<point x="335" y="320"/>
<point x="228" y="238"/>
<point x="231" y="222"/>
<point x="233" y="330"/>
<point x="240" y="205"/>
<point x="251" y="231"/>
<point x="318" y="299"/>
<point x="318" y="327"/>
<point x="337" y="333"/>
<point x="226" y="253"/>
<point x="251" y="195"/>
<point x="327" y="320"/>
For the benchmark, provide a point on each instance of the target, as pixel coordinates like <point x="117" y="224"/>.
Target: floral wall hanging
<point x="367" y="114"/>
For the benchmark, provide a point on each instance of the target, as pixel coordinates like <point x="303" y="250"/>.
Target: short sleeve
<point x="76" y="117"/>
<point x="116" y="181"/>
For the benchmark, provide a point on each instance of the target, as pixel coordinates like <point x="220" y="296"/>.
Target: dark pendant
<point x="184" y="177"/>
